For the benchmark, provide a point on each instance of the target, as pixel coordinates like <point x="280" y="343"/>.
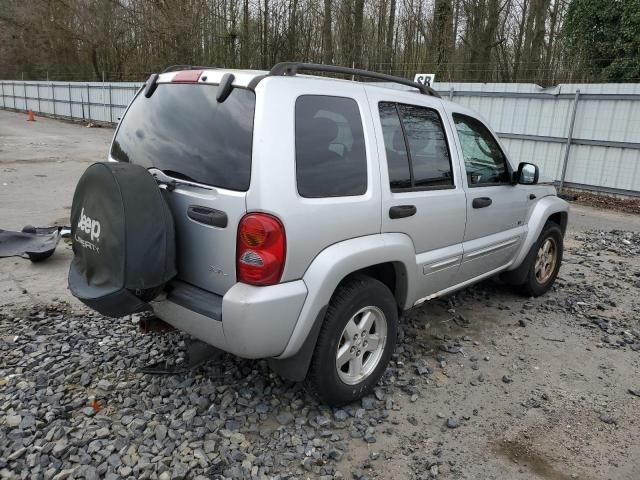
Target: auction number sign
<point x="425" y="79"/>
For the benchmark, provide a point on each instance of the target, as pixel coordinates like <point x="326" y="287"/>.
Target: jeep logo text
<point x="89" y="226"/>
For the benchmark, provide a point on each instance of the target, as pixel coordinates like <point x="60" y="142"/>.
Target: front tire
<point x="544" y="261"/>
<point x="355" y="343"/>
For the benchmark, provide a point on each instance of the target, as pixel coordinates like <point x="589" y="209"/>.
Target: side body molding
<point x="337" y="261"/>
<point x="542" y="210"/>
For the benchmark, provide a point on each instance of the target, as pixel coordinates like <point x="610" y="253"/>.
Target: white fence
<point x="582" y="135"/>
<point x="102" y="102"/>
<point x="587" y="135"/>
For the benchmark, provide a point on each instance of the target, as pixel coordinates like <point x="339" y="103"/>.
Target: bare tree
<point x="127" y="39"/>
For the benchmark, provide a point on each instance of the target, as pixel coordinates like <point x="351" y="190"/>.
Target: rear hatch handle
<point x="208" y="216"/>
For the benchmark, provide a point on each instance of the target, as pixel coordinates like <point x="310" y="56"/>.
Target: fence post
<point x="24" y="93"/>
<point x="110" y="106"/>
<point x="70" y="103"/>
<point x="13" y="91"/>
<point x="3" y="100"/>
<point x="451" y="94"/>
<point x="88" y="102"/>
<point x="53" y="98"/>
<point x="569" y="137"/>
<point x="38" y="91"/>
<point x="104" y="95"/>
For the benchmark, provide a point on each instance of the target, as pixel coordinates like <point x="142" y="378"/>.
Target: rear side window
<point x="331" y="158"/>
<point x="416" y="147"/>
<point x="185" y="132"/>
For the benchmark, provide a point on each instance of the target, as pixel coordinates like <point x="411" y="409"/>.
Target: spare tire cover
<point x="123" y="239"/>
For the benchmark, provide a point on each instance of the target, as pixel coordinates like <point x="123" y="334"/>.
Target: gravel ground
<point x="483" y="384"/>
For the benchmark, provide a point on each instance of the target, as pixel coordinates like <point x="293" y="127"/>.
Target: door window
<point x="395" y="147"/>
<point x="416" y="147"/>
<point x="484" y="161"/>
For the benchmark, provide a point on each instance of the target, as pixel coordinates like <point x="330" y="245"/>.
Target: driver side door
<point x="496" y="209"/>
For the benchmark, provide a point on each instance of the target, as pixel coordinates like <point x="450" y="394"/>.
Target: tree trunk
<point x="327" y="41"/>
<point x="390" y="30"/>
<point x="519" y="46"/>
<point x="265" y="36"/>
<point x="291" y="50"/>
<point x="356" y="45"/>
<point x="245" y="36"/>
<point x="442" y="26"/>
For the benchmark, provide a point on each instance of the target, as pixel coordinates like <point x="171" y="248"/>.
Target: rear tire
<point x="544" y="261"/>
<point x="355" y="342"/>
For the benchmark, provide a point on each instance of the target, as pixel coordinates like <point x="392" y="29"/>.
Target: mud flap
<point x="123" y="239"/>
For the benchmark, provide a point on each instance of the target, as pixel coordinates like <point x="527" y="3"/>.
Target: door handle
<point x="402" y="211"/>
<point x="208" y="216"/>
<point x="481" y="202"/>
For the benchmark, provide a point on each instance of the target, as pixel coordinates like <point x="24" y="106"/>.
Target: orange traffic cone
<point x="32" y="117"/>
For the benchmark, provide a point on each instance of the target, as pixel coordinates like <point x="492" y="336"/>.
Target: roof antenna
<point x="225" y="87"/>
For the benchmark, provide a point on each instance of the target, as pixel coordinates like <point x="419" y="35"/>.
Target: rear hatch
<point x="199" y="150"/>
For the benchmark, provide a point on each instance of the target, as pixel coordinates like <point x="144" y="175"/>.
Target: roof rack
<point x="292" y="68"/>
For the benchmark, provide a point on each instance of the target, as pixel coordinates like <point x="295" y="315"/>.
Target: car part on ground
<point x="122" y="238"/>
<point x="35" y="243"/>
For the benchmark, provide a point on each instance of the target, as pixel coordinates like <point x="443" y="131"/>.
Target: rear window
<point x="331" y="160"/>
<point x="183" y="131"/>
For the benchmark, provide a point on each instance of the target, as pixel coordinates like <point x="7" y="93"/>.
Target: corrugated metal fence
<point x="97" y="101"/>
<point x="585" y="135"/>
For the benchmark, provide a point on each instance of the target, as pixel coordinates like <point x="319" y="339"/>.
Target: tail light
<point x="261" y="249"/>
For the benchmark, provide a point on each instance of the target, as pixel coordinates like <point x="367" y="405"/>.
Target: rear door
<point x="496" y="209"/>
<point x="420" y="180"/>
<point x="199" y="150"/>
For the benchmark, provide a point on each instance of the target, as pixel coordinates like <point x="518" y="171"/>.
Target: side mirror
<point x="528" y="174"/>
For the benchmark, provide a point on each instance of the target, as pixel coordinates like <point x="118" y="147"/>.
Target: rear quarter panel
<point x="311" y="224"/>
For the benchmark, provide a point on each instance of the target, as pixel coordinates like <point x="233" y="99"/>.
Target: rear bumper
<point x="248" y="321"/>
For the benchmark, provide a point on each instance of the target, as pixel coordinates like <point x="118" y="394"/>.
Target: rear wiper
<point x="178" y="175"/>
<point x="171" y="179"/>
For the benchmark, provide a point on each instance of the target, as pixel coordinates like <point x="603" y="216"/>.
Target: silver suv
<point x="310" y="212"/>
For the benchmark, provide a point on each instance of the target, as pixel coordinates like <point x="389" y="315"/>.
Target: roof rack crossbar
<point x="292" y="68"/>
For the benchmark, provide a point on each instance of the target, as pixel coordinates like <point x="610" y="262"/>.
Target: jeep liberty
<point x="296" y="217"/>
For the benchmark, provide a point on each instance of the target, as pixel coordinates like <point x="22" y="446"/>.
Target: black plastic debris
<point x="35" y="243"/>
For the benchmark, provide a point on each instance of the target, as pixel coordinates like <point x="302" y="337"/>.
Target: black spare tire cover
<point x="123" y="239"/>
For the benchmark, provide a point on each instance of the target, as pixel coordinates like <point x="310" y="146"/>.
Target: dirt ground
<point x="530" y="388"/>
<point x="609" y="202"/>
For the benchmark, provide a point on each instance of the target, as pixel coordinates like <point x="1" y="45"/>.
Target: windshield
<point x="185" y="132"/>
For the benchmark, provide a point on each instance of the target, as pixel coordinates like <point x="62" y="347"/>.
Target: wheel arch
<point x="561" y="218"/>
<point x="389" y="257"/>
<point x="547" y="208"/>
<point x="393" y="274"/>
